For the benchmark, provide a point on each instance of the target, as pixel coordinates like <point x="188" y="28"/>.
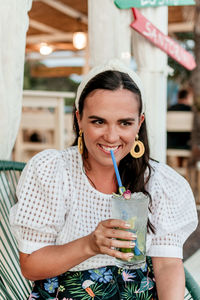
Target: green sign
<point x="124" y="4"/>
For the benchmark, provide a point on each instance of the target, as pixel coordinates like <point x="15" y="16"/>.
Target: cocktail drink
<point x="135" y="212"/>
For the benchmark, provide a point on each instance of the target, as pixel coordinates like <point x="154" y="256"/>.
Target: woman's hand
<point x="54" y="260"/>
<point x="109" y="235"/>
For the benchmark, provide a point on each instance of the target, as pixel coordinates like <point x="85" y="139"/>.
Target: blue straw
<point x="121" y="187"/>
<point x="136" y="249"/>
<point x="116" y="168"/>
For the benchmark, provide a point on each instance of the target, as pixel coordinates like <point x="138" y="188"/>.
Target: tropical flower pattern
<point x="51" y="285"/>
<point x="127" y="276"/>
<point x="106" y="283"/>
<point x="101" y="275"/>
<point x="33" y="296"/>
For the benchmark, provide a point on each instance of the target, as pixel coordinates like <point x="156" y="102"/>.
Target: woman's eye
<point x="98" y="122"/>
<point x="125" y="123"/>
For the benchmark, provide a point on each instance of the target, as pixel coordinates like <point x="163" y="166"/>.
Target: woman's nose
<point x="111" y="134"/>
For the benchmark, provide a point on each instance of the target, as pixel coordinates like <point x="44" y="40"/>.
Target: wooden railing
<point x="179" y="121"/>
<point x="182" y="121"/>
<point x="43" y="112"/>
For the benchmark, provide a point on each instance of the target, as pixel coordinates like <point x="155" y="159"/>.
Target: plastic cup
<point x="135" y="212"/>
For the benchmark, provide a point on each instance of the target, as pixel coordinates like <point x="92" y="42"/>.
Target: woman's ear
<point x="141" y="120"/>
<point x="78" y="119"/>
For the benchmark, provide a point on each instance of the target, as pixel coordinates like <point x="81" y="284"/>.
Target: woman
<point x="67" y="239"/>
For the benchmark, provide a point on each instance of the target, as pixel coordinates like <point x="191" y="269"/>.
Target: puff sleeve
<point x="173" y="212"/>
<point x="39" y="214"/>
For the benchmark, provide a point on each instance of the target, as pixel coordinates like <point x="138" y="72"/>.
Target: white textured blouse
<point x="57" y="204"/>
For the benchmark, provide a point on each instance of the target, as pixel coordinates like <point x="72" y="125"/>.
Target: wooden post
<point x="152" y="69"/>
<point x="86" y="67"/>
<point x="109" y="32"/>
<point x="59" y="132"/>
<point x="13" y="24"/>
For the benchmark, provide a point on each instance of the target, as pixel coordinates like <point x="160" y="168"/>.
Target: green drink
<point x="135" y="212"/>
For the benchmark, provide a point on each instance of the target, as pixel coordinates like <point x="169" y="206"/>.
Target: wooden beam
<point x="62" y="55"/>
<point x="58" y="37"/>
<point x="43" y="27"/>
<point x="55" y="46"/>
<point x="67" y="10"/>
<point x="180" y="27"/>
<point x="42" y="71"/>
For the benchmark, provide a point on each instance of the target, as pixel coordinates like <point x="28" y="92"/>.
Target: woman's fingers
<point x="111" y="234"/>
<point x="120" y="234"/>
<point x="112" y="243"/>
<point x="118" y="254"/>
<point x="115" y="223"/>
<point x="118" y="229"/>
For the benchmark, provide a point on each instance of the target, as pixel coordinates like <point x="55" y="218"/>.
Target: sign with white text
<point x="162" y="41"/>
<point x="124" y="4"/>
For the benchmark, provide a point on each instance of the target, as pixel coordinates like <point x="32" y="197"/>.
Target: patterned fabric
<point x="109" y="282"/>
<point x="57" y="205"/>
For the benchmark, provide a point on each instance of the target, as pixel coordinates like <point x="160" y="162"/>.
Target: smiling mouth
<point x="108" y="148"/>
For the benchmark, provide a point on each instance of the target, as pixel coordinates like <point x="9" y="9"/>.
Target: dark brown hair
<point x="132" y="170"/>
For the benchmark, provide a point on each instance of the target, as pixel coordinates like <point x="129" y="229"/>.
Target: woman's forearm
<point x="170" y="278"/>
<point x="51" y="261"/>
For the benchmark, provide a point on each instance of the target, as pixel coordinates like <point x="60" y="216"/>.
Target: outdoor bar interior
<point x="59" y="41"/>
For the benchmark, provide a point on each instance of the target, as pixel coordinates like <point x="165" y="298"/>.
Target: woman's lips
<point x="107" y="149"/>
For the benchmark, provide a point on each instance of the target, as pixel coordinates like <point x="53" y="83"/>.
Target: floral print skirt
<point x="108" y="282"/>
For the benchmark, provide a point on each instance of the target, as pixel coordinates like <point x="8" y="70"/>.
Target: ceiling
<point x="55" y="21"/>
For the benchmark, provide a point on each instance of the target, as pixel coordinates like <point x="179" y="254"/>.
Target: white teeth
<point x="109" y="148"/>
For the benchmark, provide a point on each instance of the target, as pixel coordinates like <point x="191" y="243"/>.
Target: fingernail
<point x="130" y="256"/>
<point x="133" y="235"/>
<point x="127" y="225"/>
<point x="132" y="244"/>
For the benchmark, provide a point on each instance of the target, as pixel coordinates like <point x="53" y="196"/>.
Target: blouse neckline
<point x="87" y="182"/>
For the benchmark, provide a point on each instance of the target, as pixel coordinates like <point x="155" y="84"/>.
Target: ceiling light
<point x="79" y="40"/>
<point x="45" y="49"/>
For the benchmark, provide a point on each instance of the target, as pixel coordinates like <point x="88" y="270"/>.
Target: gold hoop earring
<point x="80" y="142"/>
<point x="138" y="144"/>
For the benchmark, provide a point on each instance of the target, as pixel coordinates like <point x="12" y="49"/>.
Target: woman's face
<point x="110" y="120"/>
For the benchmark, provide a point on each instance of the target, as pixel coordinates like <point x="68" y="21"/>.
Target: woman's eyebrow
<point x="95" y="117"/>
<point x="126" y="119"/>
<point x="120" y="120"/>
